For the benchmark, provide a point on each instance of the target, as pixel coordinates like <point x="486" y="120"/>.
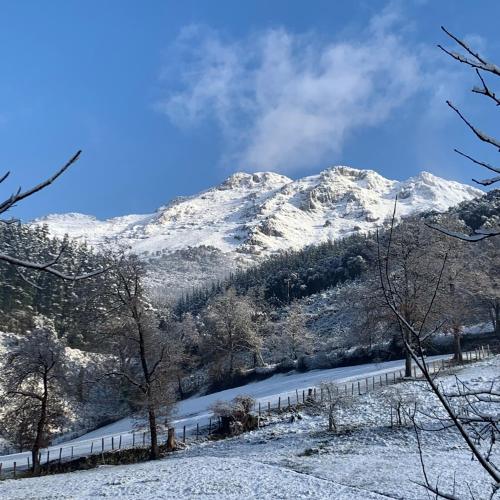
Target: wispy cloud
<point x="285" y="101"/>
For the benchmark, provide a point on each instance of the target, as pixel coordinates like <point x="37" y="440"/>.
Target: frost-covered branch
<point x="48" y="267"/>
<point x="478" y="133"/>
<point x="477" y="62"/>
<point x="478" y="235"/>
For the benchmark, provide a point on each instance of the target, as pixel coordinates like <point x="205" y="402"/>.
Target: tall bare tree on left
<point x="35" y="377"/>
<point x="20" y="195"/>
<point x="34" y="369"/>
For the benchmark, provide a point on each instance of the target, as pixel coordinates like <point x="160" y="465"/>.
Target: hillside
<point x="252" y="216"/>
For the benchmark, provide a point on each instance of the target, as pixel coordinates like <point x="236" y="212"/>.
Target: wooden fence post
<point x="269" y="407"/>
<point x="15" y="466"/>
<point x="352" y="388"/>
<point x="28" y="460"/>
<point x="321" y="393"/>
<point x="48" y="456"/>
<point x="171" y="439"/>
<point x="91" y="447"/>
<point x="120" y="443"/>
<point x="1" y="469"/>
<point x="112" y="442"/>
<point x="288" y="403"/>
<point x="279" y="403"/>
<point x="210" y="426"/>
<point x="144" y="439"/>
<point x="184" y="434"/>
<point x="303" y="397"/>
<point x="359" y="388"/>
<point x="133" y="439"/>
<point x="72" y="452"/>
<point x="259" y="409"/>
<point x="102" y="445"/>
<point x="297" y="395"/>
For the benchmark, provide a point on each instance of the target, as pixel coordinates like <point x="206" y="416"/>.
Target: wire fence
<point x="12" y="465"/>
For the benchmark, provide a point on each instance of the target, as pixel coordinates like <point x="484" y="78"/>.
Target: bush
<point x="236" y="415"/>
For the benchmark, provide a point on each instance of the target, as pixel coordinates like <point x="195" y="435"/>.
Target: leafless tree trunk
<point x="40" y="428"/>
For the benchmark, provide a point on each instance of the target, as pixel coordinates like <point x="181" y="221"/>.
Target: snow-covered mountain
<point x="250" y="216"/>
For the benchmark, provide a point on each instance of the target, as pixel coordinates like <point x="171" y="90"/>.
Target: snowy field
<point x="366" y="459"/>
<point x="196" y="410"/>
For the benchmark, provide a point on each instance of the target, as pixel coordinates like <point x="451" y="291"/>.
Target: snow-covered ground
<point x="196" y="410"/>
<point x="300" y="459"/>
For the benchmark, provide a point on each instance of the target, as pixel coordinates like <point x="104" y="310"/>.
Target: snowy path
<point x="196" y="410"/>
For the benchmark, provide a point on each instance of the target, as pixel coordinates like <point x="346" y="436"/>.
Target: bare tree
<point x="413" y="265"/>
<point x="414" y="341"/>
<point x="35" y="375"/>
<point x="232" y="333"/>
<point x="143" y="352"/>
<point x="483" y="283"/>
<point x="293" y="337"/>
<point x="184" y="338"/>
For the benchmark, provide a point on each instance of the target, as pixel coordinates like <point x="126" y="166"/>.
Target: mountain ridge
<point x="254" y="215"/>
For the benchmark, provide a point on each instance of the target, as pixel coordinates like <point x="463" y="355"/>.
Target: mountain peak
<point x="252" y="215"/>
<point x="245" y="180"/>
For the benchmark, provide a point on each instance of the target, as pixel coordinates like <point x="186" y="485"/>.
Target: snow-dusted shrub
<point x="336" y="404"/>
<point x="236" y="415"/>
<point x="401" y="403"/>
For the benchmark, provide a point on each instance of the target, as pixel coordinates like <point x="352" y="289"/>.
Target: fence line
<point x="142" y="439"/>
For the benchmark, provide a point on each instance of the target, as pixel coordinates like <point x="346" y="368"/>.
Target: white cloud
<point x="285" y="101"/>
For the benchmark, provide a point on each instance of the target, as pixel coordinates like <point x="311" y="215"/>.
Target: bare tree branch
<point x="465" y="46"/>
<point x="479" y="134"/>
<point x="4" y="177"/>
<point x="18" y="196"/>
<point x="485" y="90"/>
<point x="477" y="162"/>
<point x="476" y="236"/>
<point x="47" y="267"/>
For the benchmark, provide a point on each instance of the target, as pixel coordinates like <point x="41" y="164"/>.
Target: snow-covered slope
<point x="253" y="215"/>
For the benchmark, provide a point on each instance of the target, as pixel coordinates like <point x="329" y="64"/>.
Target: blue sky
<point x="167" y="98"/>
